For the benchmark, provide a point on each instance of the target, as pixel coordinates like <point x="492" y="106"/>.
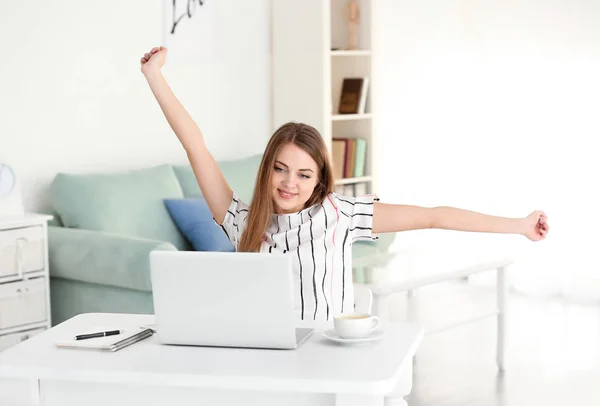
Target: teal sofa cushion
<point x="195" y="220"/>
<point x="102" y="258"/>
<point x="240" y="175"/>
<point x="71" y="297"/>
<point x="126" y="203"/>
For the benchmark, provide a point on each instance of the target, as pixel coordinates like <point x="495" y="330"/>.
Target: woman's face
<point x="295" y="176"/>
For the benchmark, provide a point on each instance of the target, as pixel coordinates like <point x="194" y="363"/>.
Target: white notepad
<point x="110" y="343"/>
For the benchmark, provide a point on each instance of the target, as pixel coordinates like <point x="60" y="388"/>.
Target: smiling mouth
<point x="286" y="195"/>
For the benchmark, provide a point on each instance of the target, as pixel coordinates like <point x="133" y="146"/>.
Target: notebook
<point x="110" y="343"/>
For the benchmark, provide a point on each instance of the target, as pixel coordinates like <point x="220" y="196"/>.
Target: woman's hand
<point x="535" y="226"/>
<point x="154" y="60"/>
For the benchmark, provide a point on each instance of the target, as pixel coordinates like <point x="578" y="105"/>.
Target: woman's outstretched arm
<point x="397" y="217"/>
<point x="215" y="189"/>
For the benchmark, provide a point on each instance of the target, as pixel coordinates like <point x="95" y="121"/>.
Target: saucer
<point x="372" y="336"/>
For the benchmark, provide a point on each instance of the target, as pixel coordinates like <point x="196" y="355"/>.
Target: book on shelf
<point x="359" y="162"/>
<point x="352" y="189"/>
<point x="360" y="189"/>
<point x="345" y="190"/>
<point x="338" y="152"/>
<point x="353" y="98"/>
<point x="348" y="155"/>
<point x="363" y="96"/>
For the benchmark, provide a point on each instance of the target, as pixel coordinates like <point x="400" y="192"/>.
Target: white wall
<point x="494" y="107"/>
<point x="72" y="98"/>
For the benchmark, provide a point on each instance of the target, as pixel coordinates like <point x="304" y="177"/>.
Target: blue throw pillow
<point x="195" y="221"/>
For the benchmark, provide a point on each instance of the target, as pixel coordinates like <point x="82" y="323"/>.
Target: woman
<point x="295" y="211"/>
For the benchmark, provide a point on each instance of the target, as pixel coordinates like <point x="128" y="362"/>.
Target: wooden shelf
<point x="349" y="181"/>
<point x="348" y="117"/>
<point x="360" y="52"/>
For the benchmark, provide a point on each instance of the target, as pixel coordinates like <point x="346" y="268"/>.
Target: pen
<point x="100" y="334"/>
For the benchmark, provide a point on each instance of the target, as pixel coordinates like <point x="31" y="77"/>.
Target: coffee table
<point x="405" y="270"/>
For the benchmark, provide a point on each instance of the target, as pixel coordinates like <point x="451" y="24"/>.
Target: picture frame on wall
<point x="188" y="29"/>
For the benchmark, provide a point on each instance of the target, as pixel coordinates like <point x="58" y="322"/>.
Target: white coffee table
<point x="147" y="373"/>
<point x="408" y="269"/>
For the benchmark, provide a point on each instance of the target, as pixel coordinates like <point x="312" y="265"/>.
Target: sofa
<point x="106" y="225"/>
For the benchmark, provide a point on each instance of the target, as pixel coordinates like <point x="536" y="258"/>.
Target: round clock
<point x="7" y="180"/>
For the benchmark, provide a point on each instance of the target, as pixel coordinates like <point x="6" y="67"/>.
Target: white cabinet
<point x="21" y="251"/>
<point x="24" y="278"/>
<point x="8" y="340"/>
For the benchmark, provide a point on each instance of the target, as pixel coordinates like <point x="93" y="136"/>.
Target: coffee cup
<point x="355" y="325"/>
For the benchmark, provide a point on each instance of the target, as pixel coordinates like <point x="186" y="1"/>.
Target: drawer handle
<point x="20" y="262"/>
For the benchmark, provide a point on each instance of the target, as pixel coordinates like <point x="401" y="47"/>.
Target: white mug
<point x="355" y="325"/>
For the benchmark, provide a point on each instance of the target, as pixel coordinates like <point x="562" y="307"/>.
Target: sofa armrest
<point x="102" y="258"/>
<point x="371" y="253"/>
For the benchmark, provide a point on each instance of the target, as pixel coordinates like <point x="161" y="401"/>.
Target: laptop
<point x="224" y="299"/>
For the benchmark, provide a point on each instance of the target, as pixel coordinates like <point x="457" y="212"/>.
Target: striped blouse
<point x="319" y="239"/>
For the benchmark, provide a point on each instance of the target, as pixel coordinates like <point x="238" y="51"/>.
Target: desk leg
<point x="358" y="400"/>
<point x="502" y="299"/>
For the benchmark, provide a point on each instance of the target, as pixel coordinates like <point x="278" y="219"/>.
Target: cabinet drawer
<point x="9" y="340"/>
<point x="21" y="250"/>
<point x="22" y="302"/>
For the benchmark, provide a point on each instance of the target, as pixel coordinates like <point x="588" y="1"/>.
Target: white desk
<point x="319" y="372"/>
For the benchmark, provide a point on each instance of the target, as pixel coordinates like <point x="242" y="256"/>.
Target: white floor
<point x="553" y="358"/>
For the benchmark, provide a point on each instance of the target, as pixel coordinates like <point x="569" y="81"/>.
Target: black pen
<point x="96" y="335"/>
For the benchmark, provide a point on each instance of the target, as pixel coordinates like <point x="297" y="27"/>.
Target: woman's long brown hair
<point x="262" y="206"/>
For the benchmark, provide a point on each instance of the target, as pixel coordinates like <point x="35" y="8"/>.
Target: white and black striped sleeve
<point x="359" y="211"/>
<point x="235" y="220"/>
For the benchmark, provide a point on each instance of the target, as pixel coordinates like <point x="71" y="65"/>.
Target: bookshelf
<point x="309" y="64"/>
